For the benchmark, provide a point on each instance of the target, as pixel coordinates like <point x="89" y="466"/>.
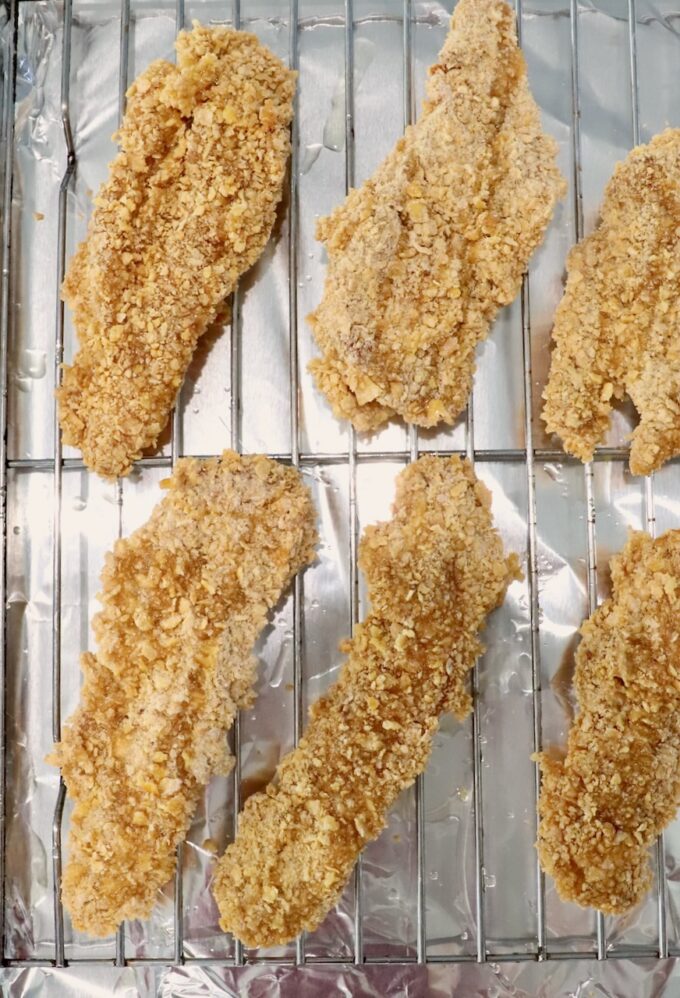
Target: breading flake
<point x="434" y="572"/>
<point x="183" y="601"/>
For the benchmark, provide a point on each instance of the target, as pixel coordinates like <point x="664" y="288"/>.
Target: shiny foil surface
<point x="419" y="918"/>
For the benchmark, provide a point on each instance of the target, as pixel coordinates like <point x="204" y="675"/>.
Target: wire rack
<point x="540" y="947"/>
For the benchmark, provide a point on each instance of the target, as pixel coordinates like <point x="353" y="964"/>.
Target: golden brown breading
<point x="184" y="599"/>
<point x="603" y="804"/>
<point x="425" y="253"/>
<point x="616" y="329"/>
<point x="188" y="207"/>
<point x="434" y="572"/>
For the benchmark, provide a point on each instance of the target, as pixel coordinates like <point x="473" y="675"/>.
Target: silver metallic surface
<point x="454" y="879"/>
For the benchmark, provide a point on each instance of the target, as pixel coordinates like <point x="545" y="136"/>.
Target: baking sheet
<point x="94" y="512"/>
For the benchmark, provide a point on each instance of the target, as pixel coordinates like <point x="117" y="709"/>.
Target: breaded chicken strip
<point x="422" y="256"/>
<point x="604" y="803"/>
<point x="434" y="572"/>
<point x="616" y="329"/>
<point x="188" y="207"/>
<point x="184" y="599"/>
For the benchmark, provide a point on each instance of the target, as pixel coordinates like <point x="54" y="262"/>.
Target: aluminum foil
<point x="93" y="513"/>
<point x="570" y="979"/>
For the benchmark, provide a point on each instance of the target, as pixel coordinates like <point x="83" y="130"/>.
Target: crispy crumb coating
<point x="188" y="207"/>
<point x="616" y="329"/>
<point x="434" y="572"/>
<point x="422" y="256"/>
<point x="603" y="804"/>
<point x="183" y="599"/>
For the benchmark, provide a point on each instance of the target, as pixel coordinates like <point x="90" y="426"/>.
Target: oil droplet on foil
<point x="254" y="784"/>
<point x="309" y="157"/>
<point x="553" y="471"/>
<point x="282" y="659"/>
<point x="489" y="880"/>
<point x="334" y="127"/>
<point x="32" y="366"/>
<point x="33" y="363"/>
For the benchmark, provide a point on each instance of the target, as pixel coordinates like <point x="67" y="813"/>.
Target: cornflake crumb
<point x="604" y="803"/>
<point x="188" y="207"/>
<point x="421" y="258"/>
<point x="38" y="216"/>
<point x="183" y="601"/>
<point x="616" y="329"/>
<point x="433" y="572"/>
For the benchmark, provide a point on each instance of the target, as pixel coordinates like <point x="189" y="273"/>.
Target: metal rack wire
<point x="352" y="458"/>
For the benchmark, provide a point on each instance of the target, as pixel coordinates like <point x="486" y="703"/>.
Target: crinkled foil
<point x="93" y="513"/>
<point x="565" y="979"/>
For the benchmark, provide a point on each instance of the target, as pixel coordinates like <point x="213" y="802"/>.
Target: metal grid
<point x="297" y="457"/>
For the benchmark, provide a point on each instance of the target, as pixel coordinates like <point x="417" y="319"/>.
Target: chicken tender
<point x="616" y="329"/>
<point x="421" y="258"/>
<point x="603" y="804"/>
<point x="188" y="207"/>
<point x="184" y="599"/>
<point x="434" y="572"/>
